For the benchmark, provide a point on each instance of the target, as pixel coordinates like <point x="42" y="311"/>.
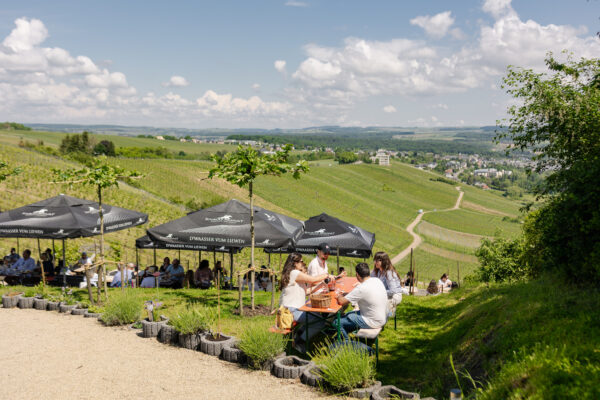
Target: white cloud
<point x="280" y="65"/>
<point x="435" y="26"/>
<point x="255" y="86"/>
<point x="293" y="3"/>
<point x="26" y="35"/>
<point x="389" y="109"/>
<point x="441" y="106"/>
<point x="176" y="81"/>
<point x="498" y="8"/>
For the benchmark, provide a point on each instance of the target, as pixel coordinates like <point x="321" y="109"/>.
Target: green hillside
<point x="474" y="222"/>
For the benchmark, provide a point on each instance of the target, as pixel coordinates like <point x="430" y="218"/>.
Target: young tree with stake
<point x="243" y="166"/>
<point x="103" y="176"/>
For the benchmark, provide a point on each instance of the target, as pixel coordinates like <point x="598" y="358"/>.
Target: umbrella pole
<point x="231" y="268"/>
<point x="272" y="275"/>
<point x="42" y="264"/>
<point x="64" y="264"/>
<point x="154" y="255"/>
<point x="215" y="262"/>
<point x="18" y="250"/>
<point x="338" y="260"/>
<point x="199" y="258"/>
<point x="53" y="252"/>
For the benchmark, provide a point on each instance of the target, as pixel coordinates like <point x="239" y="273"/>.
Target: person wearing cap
<point x="84" y="260"/>
<point x="318" y="266"/>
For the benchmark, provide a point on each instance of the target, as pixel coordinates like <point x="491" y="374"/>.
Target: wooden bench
<point x="370" y="334"/>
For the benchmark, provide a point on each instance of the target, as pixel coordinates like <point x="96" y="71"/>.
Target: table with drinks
<point x="332" y="288"/>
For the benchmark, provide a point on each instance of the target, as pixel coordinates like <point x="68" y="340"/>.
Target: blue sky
<point x="269" y="64"/>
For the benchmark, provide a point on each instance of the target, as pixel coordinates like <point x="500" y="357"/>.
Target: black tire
<point x="151" y="329"/>
<point x="190" y="341"/>
<point x="168" y="335"/>
<point x="25" y="302"/>
<point x="364" y="393"/>
<point x="88" y="314"/>
<point x="289" y="367"/>
<point x="40" y="304"/>
<point x="214" y="348"/>
<point x="309" y="376"/>
<point x="53" y="306"/>
<point x="79" y="311"/>
<point x="65" y="308"/>
<point x="10" y="301"/>
<point x="232" y="354"/>
<point x="385" y="392"/>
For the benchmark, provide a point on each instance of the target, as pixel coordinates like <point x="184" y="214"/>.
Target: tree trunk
<point x="102" y="266"/>
<point x="240" y="296"/>
<point x="252" y="245"/>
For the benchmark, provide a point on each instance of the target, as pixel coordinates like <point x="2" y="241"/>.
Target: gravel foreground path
<point x="46" y="355"/>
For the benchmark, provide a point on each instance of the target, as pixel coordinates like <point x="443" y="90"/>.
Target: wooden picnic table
<point x="345" y="285"/>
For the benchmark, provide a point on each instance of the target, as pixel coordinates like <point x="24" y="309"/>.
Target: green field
<point x="492" y="200"/>
<point x="54" y="138"/>
<point x="474" y="222"/>
<point x="431" y="266"/>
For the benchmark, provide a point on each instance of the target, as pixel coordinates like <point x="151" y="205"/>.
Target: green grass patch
<point x="192" y="319"/>
<point x="431" y="266"/>
<point x="260" y="345"/>
<point x="123" y="308"/>
<point x="533" y="340"/>
<point x="474" y="222"/>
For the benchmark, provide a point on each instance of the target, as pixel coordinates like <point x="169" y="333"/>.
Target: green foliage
<point x="502" y="260"/>
<point x="77" y="144"/>
<point x="193" y="319"/>
<point x="443" y="180"/>
<point x="105" y="147"/>
<point x="122" y="308"/>
<point x="29" y="292"/>
<point x="260" y="345"/>
<point x="243" y="166"/>
<point x="558" y="119"/>
<point x="346" y="157"/>
<point x="170" y="137"/>
<point x="95" y="309"/>
<point x="6" y="171"/>
<point x="99" y="174"/>
<point x="14" y="126"/>
<point x="345" y="366"/>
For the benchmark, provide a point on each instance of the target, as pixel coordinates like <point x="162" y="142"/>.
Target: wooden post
<point x="64" y="263"/>
<point x="41" y="264"/>
<point x="18" y="249"/>
<point x="199" y="258"/>
<point x="240" y="284"/>
<point x="154" y="254"/>
<point x="412" y="274"/>
<point x="137" y="265"/>
<point x="272" y="276"/>
<point x="458" y="273"/>
<point x="218" y="304"/>
<point x="230" y="269"/>
<point x="123" y="270"/>
<point x="186" y="274"/>
<point x="338" y="261"/>
<point x="279" y="262"/>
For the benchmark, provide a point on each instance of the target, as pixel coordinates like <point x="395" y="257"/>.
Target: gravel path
<point x="46" y="355"/>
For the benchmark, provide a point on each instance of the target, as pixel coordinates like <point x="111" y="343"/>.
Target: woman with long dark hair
<point x="293" y="294"/>
<point x="385" y="271"/>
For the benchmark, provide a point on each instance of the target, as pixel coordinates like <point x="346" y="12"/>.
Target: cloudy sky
<point x="287" y="63"/>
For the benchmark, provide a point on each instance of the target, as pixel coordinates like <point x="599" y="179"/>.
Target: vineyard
<point x="383" y="200"/>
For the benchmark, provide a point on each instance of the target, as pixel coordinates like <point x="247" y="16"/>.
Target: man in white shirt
<point x="318" y="266"/>
<point x="84" y="260"/>
<point x="127" y="273"/>
<point x="26" y="264"/>
<point x="371" y="298"/>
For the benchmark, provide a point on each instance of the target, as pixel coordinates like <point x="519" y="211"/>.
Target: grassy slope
<point x="532" y="340"/>
<point x="474" y="222"/>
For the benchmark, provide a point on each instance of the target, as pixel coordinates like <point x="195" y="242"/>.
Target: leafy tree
<point x="501" y="260"/>
<point x="77" y="144"/>
<point x="244" y="165"/>
<point x="102" y="176"/>
<point x="557" y="117"/>
<point x="345" y="157"/>
<point x="105" y="147"/>
<point x="6" y="171"/>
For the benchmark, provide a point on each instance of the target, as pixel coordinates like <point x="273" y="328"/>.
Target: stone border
<point x="10" y="301"/>
<point x="25" y="302"/>
<point x="215" y="348"/>
<point x="289" y="367"/>
<point x="384" y="392"/>
<point x="232" y="354"/>
<point x="66" y="308"/>
<point x="40" y="304"/>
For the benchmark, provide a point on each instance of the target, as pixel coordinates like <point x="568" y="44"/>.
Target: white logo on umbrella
<point x="60" y="232"/>
<point x="352" y="229"/>
<point x="141" y="220"/>
<point x="92" y="210"/>
<point x="95" y="230"/>
<point x="39" y="213"/>
<point x="224" y="218"/>
<point x="222" y="248"/>
<point x="320" y="232"/>
<point x="270" y="217"/>
<point x="354" y="253"/>
<point x="266" y="241"/>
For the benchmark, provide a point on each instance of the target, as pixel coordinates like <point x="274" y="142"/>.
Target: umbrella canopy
<point x="146" y="243"/>
<point x="351" y="240"/>
<point x="228" y="225"/>
<point x="66" y="217"/>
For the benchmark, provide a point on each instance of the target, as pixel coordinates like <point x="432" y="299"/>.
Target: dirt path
<point x="416" y="238"/>
<point x="46" y="355"/>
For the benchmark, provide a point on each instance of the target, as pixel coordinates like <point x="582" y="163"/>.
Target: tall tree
<point x="243" y="166"/>
<point x="102" y="176"/>
<point x="557" y="117"/>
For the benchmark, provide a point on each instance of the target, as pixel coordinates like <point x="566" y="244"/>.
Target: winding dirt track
<point x="46" y="355"/>
<point x="416" y="238"/>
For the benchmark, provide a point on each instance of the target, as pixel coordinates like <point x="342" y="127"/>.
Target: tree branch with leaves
<point x="6" y="171"/>
<point x="102" y="176"/>
<point x="243" y="166"/>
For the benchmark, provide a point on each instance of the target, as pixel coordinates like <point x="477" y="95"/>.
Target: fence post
<point x="458" y="273"/>
<point x="240" y="284"/>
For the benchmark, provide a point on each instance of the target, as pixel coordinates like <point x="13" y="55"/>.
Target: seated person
<point x="371" y="298"/>
<point x="14" y="256"/>
<point x="432" y="289"/>
<point x="264" y="279"/>
<point x="125" y="271"/>
<point x="203" y="276"/>
<point x="408" y="280"/>
<point x="384" y="270"/>
<point x="219" y="272"/>
<point x="173" y="278"/>
<point x="149" y="280"/>
<point x="26" y="264"/>
<point x="165" y="265"/>
<point x="47" y="265"/>
<point x="444" y="283"/>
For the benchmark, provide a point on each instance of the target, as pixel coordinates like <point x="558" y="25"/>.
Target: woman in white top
<point x="293" y="294"/>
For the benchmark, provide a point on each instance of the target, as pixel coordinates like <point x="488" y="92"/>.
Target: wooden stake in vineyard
<point x="103" y="176"/>
<point x="243" y="166"/>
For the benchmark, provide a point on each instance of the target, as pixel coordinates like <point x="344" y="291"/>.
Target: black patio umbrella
<point x="66" y="217"/>
<point x="145" y="242"/>
<point x="351" y="240"/>
<point x="228" y="224"/>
